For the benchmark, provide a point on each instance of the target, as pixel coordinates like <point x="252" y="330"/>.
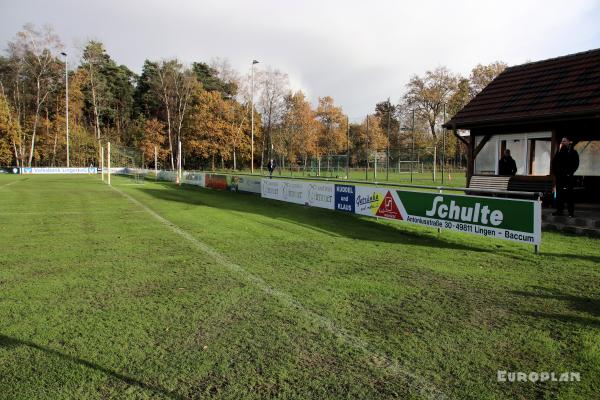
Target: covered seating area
<point x="527" y="109"/>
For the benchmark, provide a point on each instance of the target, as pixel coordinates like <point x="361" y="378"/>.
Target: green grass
<point x="239" y="297"/>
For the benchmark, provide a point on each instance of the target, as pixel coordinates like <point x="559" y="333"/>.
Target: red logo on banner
<point x="388" y="208"/>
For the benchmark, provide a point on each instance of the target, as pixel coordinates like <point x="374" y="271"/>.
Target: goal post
<point x="125" y="161"/>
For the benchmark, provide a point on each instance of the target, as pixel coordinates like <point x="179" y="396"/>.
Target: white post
<point x="155" y="164"/>
<point x="108" y="163"/>
<point x="102" y="162"/>
<point x="179" y="174"/>
<point x="434" y="160"/>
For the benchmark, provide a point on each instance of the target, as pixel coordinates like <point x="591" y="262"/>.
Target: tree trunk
<point x="35" y="121"/>
<point x="16" y="154"/>
<point x="305" y="162"/>
<point x="262" y="154"/>
<point x="95" y="104"/>
<point x="234" y="161"/>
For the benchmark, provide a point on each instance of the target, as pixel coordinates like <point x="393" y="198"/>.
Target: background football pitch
<point x="154" y="291"/>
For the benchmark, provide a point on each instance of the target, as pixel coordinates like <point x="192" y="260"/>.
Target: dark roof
<point x="558" y="88"/>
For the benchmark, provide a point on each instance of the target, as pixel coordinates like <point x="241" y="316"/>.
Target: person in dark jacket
<point x="564" y="165"/>
<point x="507" y="165"/>
<point x="271" y="168"/>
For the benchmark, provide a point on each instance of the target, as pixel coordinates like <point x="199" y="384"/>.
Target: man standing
<point x="564" y="165"/>
<point x="507" y="165"/>
<point x="271" y="167"/>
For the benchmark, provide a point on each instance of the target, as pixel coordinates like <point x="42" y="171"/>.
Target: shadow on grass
<point x="580" y="304"/>
<point x="9" y="342"/>
<point x="570" y="319"/>
<point x="571" y="256"/>
<point x="577" y="303"/>
<point x="317" y="219"/>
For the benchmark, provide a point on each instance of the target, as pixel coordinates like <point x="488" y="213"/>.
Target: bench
<point x="539" y="186"/>
<point x="536" y="185"/>
<point x="489" y="182"/>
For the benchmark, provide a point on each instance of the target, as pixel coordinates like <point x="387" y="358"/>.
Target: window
<point x="540" y="156"/>
<point x="486" y="161"/>
<point x="517" y="151"/>
<point x="589" y="158"/>
<point x="531" y="152"/>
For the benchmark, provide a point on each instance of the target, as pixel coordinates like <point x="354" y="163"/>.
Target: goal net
<point x="123" y="161"/>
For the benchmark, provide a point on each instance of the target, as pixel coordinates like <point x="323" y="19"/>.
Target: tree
<point x="152" y="139"/>
<point x="210" y="80"/>
<point x="240" y="135"/>
<point x="427" y="95"/>
<point x="176" y="85"/>
<point x="332" y="135"/>
<point x="211" y="126"/>
<point x="299" y="128"/>
<point x="147" y="95"/>
<point x="33" y="51"/>
<point x="109" y="92"/>
<point x="9" y="131"/>
<point x="482" y="75"/>
<point x="93" y="58"/>
<point x="272" y="86"/>
<point x="371" y="137"/>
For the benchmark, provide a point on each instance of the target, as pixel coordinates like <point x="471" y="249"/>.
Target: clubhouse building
<point x="528" y="109"/>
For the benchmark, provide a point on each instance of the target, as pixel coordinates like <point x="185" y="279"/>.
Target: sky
<point x="358" y="52"/>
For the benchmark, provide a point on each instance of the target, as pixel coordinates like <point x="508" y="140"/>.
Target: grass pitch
<point x="154" y="291"/>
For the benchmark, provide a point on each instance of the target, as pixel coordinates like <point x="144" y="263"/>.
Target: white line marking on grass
<point x="50" y="214"/>
<point x="377" y="359"/>
<point x="9" y="183"/>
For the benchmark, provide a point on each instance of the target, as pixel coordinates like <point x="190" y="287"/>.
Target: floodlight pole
<point x="347" y="147"/>
<point x="252" y="117"/>
<point x="367" y="164"/>
<point x="67" y="102"/>
<point x="412" y="153"/>
<point x="443" y="146"/>
<point x="387" y="164"/>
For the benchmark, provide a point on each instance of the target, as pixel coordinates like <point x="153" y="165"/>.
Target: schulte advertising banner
<point x="509" y="219"/>
<point x="502" y="218"/>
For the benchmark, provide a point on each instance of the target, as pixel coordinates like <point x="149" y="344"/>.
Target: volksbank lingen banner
<point x="59" y="170"/>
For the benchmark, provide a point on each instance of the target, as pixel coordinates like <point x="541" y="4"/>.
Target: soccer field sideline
<point x="296" y="280"/>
